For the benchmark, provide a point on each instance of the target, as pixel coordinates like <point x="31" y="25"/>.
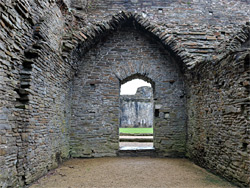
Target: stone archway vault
<point x="95" y="99"/>
<point x="91" y="35"/>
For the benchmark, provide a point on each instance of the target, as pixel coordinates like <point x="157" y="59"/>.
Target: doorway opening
<point x="137" y="117"/>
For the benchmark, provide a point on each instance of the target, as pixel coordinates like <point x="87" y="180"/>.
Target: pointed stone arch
<point x="92" y="34"/>
<point x="96" y="89"/>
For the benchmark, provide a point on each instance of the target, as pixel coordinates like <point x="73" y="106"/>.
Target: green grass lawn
<point x="136" y="130"/>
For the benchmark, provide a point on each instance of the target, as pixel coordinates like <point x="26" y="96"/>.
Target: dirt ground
<point x="138" y="172"/>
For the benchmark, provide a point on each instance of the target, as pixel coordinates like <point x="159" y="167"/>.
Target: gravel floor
<point x="138" y="172"/>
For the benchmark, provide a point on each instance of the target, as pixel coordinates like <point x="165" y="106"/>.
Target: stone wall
<point x="34" y="91"/>
<point x="137" y="110"/>
<point x="123" y="55"/>
<point x="11" y="119"/>
<point x="59" y="97"/>
<point x="198" y="26"/>
<point x="218" y="113"/>
<point x="198" y="32"/>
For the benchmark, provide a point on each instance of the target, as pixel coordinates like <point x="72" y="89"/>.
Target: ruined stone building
<point x="62" y="63"/>
<point x="137" y="110"/>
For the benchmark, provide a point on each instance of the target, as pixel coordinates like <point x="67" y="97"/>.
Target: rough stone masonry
<point x="62" y="63"/>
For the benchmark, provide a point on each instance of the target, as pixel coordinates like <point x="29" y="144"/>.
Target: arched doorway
<point x="124" y="55"/>
<point x="136" y="114"/>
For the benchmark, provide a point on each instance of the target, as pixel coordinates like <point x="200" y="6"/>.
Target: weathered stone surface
<point x="58" y="100"/>
<point x="100" y="95"/>
<point x="218" y="126"/>
<point x="24" y="132"/>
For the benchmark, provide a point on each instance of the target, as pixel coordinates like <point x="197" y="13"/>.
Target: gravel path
<point x="139" y="172"/>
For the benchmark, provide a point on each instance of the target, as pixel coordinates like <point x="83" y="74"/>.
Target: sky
<point x="129" y="88"/>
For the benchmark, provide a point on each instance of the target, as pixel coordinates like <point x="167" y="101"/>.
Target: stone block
<point x="3" y="140"/>
<point x="2" y="152"/>
<point x="167" y="115"/>
<point x="25" y="136"/>
<point x="4" y="126"/>
<point x="3" y="55"/>
<point x="7" y="21"/>
<point x="3" y="117"/>
<point x="158" y="106"/>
